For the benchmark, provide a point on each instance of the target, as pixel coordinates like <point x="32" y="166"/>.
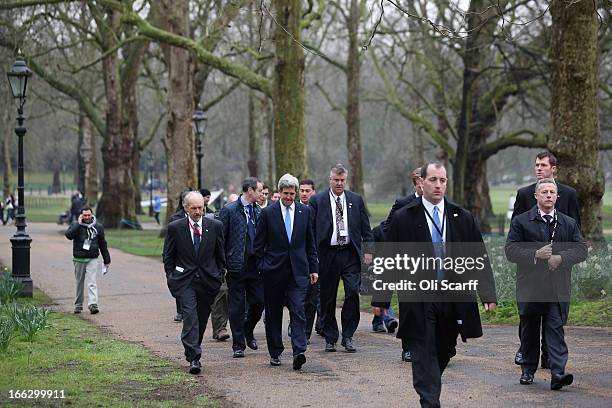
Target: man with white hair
<point x="194" y="262"/>
<point x="287" y="260"/>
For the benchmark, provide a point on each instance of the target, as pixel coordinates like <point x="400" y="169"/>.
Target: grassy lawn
<point x="582" y="313"/>
<point x="142" y="243"/>
<point x="92" y="369"/>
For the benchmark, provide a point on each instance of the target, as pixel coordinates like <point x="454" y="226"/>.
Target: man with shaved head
<point x="194" y="262"/>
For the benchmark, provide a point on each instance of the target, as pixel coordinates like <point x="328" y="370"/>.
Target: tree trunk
<point x="353" y="70"/>
<point x="56" y="185"/>
<point x="179" y="141"/>
<point x="117" y="199"/>
<point x="574" y="137"/>
<point x="91" y="182"/>
<point x="288" y="91"/>
<point x="253" y="135"/>
<point x="469" y="165"/>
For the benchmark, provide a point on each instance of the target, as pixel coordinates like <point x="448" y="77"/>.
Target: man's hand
<point x="377" y="311"/>
<point x="105" y="269"/>
<point x="545" y="252"/>
<point x="314" y="277"/>
<point x="489" y="307"/>
<point x="554" y="261"/>
<point x="80" y="218"/>
<point x="367" y="258"/>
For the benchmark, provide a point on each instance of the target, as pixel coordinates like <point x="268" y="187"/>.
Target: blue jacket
<point x="235" y="231"/>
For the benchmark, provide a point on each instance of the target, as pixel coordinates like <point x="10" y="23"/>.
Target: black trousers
<point x="552" y="322"/>
<point x="311" y="307"/>
<point x="196" y="301"/>
<point x="544" y="345"/>
<point x="243" y="288"/>
<point x="340" y="263"/>
<point x="431" y="354"/>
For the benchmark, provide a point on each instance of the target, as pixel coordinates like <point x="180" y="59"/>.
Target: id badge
<point x="87" y="244"/>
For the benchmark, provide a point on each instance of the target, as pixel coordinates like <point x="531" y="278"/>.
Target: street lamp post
<point x="200" y="122"/>
<point x="18" y="79"/>
<point x="150" y="184"/>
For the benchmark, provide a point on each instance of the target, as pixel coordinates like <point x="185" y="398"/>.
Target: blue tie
<point x="251" y="223"/>
<point x="288" y="222"/>
<point x="436" y="238"/>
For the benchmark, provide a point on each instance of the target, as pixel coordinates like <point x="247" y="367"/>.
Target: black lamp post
<point x="200" y="122"/>
<point x="18" y="78"/>
<point x="150" y="184"/>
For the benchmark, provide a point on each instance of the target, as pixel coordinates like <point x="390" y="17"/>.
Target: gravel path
<point x="136" y="306"/>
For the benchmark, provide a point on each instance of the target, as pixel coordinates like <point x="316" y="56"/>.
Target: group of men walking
<point x="298" y="248"/>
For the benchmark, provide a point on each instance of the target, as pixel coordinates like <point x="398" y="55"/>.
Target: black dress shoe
<point x="275" y="362"/>
<point x="392" y="326"/>
<point x="379" y="328"/>
<point x="559" y="381"/>
<point x="298" y="361"/>
<point x="347" y="343"/>
<point x="195" y="367"/>
<point x="545" y="362"/>
<point x="330" y="347"/>
<point x="518" y="357"/>
<point x="406" y="356"/>
<point x="526" y="379"/>
<point x="252" y="344"/>
<point x="238" y="353"/>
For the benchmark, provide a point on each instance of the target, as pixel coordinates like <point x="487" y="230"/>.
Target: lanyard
<point x="195" y="231"/>
<point x="554" y="222"/>
<point x="434" y="224"/>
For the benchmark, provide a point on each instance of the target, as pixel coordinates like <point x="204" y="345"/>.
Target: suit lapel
<point x="326" y="207"/>
<point x="424" y="235"/>
<point x="186" y="236"/>
<point x="281" y="221"/>
<point x="206" y="231"/>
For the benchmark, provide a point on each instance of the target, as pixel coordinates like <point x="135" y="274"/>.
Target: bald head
<point x="194" y="205"/>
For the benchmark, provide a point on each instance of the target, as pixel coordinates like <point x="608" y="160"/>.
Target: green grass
<point x="93" y="369"/>
<point x="142" y="243"/>
<point x="582" y="313"/>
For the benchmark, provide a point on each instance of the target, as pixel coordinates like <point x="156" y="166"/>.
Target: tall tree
<point x="574" y="137"/>
<point x="179" y="142"/>
<point x="288" y="90"/>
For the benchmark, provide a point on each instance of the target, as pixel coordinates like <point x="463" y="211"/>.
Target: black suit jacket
<point x="399" y="203"/>
<point x="180" y="261"/>
<point x="276" y="255"/>
<point x="410" y="225"/>
<point x="567" y="201"/>
<point x="535" y="283"/>
<point x="323" y="222"/>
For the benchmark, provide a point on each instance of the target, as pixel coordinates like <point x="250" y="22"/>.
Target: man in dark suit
<point x="287" y="258"/>
<point x="567" y="203"/>
<point x="431" y="327"/>
<point x="401" y="203"/>
<point x="240" y="220"/>
<point x="341" y="225"/>
<point x="312" y="306"/>
<point x="194" y="262"/>
<point x="545" y="244"/>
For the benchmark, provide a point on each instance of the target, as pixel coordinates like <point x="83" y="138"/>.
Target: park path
<point x="136" y="306"/>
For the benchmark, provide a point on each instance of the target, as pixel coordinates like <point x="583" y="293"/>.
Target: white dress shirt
<point x="191" y="227"/>
<point x="429" y="208"/>
<point x="291" y="213"/>
<point x="332" y="199"/>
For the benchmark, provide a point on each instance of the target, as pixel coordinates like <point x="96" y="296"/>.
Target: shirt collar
<point x="429" y="206"/>
<point x="334" y="196"/>
<point x="191" y="222"/>
<point x="542" y="213"/>
<point x="244" y="201"/>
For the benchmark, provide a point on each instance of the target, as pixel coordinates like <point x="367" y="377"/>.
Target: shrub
<point x="29" y="320"/>
<point x="7" y="332"/>
<point x="9" y="288"/>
